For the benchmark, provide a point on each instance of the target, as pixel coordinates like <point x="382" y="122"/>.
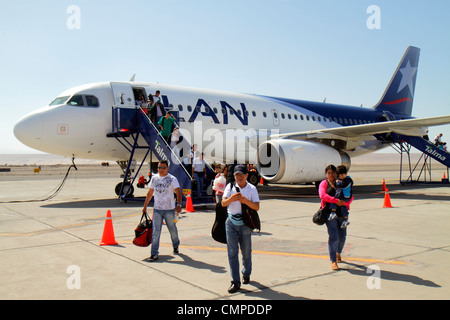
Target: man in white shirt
<point x="238" y="234"/>
<point x="162" y="187"/>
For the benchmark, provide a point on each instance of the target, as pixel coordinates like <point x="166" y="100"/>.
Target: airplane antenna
<point x="132" y="78"/>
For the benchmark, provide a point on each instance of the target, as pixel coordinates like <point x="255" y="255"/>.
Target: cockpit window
<point x="92" y="101"/>
<point x="76" y="100"/>
<point x="59" y="100"/>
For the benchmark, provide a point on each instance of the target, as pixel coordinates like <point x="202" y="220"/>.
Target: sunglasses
<point x="162" y="168"/>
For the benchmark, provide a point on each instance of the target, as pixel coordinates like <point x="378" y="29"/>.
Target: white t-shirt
<point x="235" y="208"/>
<point x="163" y="193"/>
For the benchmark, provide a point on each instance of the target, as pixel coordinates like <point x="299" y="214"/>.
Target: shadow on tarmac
<point x="360" y="270"/>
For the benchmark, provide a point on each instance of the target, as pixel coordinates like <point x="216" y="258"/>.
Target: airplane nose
<point x="29" y="130"/>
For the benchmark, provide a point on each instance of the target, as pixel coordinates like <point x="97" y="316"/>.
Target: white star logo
<point x="408" y="73"/>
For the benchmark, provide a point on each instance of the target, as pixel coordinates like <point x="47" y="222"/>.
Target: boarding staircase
<point x="129" y="124"/>
<point x="429" y="151"/>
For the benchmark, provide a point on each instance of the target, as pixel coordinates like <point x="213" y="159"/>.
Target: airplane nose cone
<point x="29" y="130"/>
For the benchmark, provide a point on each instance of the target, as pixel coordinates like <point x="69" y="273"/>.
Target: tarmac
<point x="49" y="250"/>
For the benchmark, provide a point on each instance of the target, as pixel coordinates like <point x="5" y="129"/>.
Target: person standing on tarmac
<point x="162" y="187"/>
<point x="238" y="234"/>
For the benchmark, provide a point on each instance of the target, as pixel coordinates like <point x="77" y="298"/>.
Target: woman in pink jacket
<point x="336" y="234"/>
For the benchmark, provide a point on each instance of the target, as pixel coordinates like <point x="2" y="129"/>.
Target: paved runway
<point x="50" y="249"/>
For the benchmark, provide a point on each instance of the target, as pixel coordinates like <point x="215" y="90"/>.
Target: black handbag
<point x="251" y="218"/>
<point x="143" y="232"/>
<point x="218" y="229"/>
<point x="321" y="216"/>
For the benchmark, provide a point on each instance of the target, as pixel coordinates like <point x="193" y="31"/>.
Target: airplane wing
<point x="411" y="127"/>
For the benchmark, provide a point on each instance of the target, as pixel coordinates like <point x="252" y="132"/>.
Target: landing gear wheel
<point x="129" y="189"/>
<point x="253" y="178"/>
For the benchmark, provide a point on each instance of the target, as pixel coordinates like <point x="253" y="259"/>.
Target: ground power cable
<point x="51" y="194"/>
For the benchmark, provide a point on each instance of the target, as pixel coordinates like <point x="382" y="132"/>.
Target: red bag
<point x="143" y="232"/>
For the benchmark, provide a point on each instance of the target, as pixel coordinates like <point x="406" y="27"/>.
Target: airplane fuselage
<point x="70" y="129"/>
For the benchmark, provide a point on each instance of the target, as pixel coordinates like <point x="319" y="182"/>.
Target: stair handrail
<point x="162" y="138"/>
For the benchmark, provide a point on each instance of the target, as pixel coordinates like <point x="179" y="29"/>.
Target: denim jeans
<point x="200" y="178"/>
<point x="344" y="209"/>
<point x="239" y="236"/>
<point x="336" y="237"/>
<point x="168" y="216"/>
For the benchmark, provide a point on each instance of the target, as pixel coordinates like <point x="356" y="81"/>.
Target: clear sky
<point x="307" y="50"/>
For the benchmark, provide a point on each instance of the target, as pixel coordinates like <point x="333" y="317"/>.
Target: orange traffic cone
<point x="261" y="182"/>
<point x="189" y="205"/>
<point x="387" y="199"/>
<point x="108" y="232"/>
<point x="383" y="187"/>
<point x="443" y="178"/>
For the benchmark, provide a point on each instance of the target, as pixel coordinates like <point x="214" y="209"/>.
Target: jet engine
<point x="293" y="161"/>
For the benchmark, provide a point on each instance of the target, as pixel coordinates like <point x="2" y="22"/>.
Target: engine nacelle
<point x="293" y="161"/>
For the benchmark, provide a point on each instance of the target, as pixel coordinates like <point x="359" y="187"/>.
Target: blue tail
<point x="399" y="95"/>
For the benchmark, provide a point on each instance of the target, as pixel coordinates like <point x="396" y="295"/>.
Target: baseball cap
<point x="240" y="168"/>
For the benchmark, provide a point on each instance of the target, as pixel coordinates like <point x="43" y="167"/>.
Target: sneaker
<point x="175" y="250"/>
<point x="153" y="257"/>
<point x="345" y="224"/>
<point x="246" y="279"/>
<point x="332" y="216"/>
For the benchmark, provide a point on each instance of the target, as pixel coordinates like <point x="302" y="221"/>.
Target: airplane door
<point x="276" y="117"/>
<point x="123" y="94"/>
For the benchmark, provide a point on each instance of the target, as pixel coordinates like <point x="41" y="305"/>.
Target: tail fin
<point x="399" y="95"/>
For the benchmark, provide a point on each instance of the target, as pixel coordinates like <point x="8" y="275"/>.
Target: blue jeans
<point x="344" y="209"/>
<point x="239" y="236"/>
<point x="336" y="237"/>
<point x="168" y="216"/>
<point x="200" y="178"/>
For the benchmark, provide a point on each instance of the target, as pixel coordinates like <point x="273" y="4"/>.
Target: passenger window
<point x="180" y="107"/>
<point x="92" y="101"/>
<point x="189" y="108"/>
<point x="254" y="113"/>
<point x="76" y="101"/>
<point x="264" y="114"/>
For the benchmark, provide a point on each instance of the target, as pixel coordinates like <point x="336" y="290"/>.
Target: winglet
<point x="132" y="78"/>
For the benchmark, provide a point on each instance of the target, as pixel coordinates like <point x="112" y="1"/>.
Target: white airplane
<point x="289" y="141"/>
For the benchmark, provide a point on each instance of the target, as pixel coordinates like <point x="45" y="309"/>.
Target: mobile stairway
<point x="423" y="165"/>
<point x="133" y="129"/>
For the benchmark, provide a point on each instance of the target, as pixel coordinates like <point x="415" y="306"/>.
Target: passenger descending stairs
<point x="428" y="149"/>
<point x="162" y="150"/>
<point x="132" y="122"/>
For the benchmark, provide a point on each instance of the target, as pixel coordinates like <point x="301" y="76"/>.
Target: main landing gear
<point x="127" y="187"/>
